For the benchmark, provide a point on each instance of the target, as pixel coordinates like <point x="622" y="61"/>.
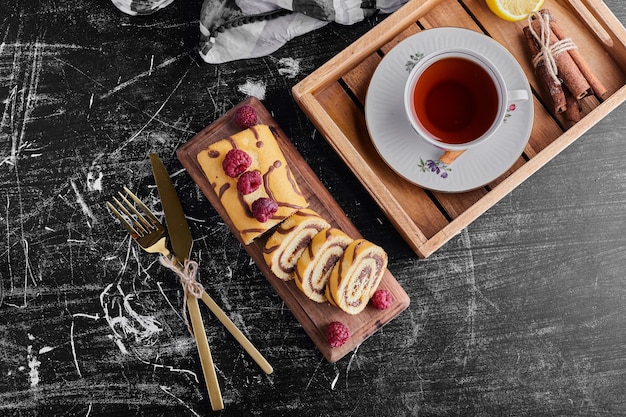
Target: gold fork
<point x="151" y="235"/>
<point x="146" y="230"/>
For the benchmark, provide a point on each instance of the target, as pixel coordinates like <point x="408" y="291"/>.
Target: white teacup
<point x="456" y="99"/>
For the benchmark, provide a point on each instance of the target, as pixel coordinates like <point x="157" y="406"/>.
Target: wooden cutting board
<point x="314" y="317"/>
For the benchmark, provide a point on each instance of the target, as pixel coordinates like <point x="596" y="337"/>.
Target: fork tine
<point x="142" y="206"/>
<point x="122" y="220"/>
<point x="144" y="228"/>
<point x="146" y="224"/>
<point x="140" y="229"/>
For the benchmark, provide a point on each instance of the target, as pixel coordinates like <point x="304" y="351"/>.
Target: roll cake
<point x="356" y="276"/>
<point x="258" y="153"/>
<point x="317" y="261"/>
<point x="285" y="246"/>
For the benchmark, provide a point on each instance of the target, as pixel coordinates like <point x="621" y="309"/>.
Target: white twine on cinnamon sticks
<point x="547" y="52"/>
<point x="187" y="276"/>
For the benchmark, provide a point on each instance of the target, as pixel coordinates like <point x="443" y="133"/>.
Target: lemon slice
<point x="514" y="10"/>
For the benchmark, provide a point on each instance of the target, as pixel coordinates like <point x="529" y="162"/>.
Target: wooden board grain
<point x="314" y="317"/>
<point x="333" y="97"/>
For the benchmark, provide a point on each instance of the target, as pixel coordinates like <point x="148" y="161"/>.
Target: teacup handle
<point x="517" y="95"/>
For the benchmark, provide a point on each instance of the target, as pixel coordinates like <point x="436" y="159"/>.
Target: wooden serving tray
<point x="333" y="97"/>
<point x="314" y="317"/>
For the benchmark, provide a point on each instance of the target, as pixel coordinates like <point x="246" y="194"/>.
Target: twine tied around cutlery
<point x="547" y="52"/>
<point x="187" y="275"/>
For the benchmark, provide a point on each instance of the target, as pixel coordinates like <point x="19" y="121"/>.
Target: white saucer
<point x="414" y="159"/>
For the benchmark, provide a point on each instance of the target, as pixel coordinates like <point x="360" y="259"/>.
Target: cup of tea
<point x="456" y="99"/>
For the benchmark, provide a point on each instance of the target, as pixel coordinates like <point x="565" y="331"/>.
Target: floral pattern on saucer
<point x="443" y="170"/>
<point x="413" y="60"/>
<point x="510" y="110"/>
<point x="436" y="167"/>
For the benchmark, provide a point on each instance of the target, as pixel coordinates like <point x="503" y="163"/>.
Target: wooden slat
<point x="358" y="79"/>
<point x="545" y="130"/>
<point x="363" y="47"/>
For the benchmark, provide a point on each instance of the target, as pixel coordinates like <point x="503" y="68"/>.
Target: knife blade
<point x="177" y="227"/>
<point x="181" y="241"/>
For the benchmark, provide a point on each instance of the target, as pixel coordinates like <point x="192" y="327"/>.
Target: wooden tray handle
<point x="604" y="25"/>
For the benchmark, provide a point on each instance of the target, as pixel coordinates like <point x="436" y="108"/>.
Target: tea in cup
<point x="456" y="99"/>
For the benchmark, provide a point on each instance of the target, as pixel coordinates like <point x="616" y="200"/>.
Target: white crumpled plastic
<point x="140" y="7"/>
<point x="231" y="30"/>
<point x="241" y="29"/>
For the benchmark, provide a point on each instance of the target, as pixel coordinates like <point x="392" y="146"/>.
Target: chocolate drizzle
<point x="222" y="189"/>
<point x="266" y="180"/>
<point x="252" y="230"/>
<point x="292" y="181"/>
<point x="255" y="132"/>
<point x="244" y="204"/>
<point x="270" y="249"/>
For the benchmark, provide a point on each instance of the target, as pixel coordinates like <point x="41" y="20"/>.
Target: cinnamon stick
<point x="598" y="88"/>
<point x="449" y="157"/>
<point x="573" y="111"/>
<point x="552" y="88"/>
<point x="568" y="70"/>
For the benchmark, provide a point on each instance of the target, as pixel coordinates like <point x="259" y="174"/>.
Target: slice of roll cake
<point x="317" y="261"/>
<point x="285" y="246"/>
<point x="251" y="177"/>
<point x="355" y="277"/>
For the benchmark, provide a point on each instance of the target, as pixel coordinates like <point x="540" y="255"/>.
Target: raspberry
<point x="248" y="182"/>
<point x="337" y="333"/>
<point x="381" y="299"/>
<point x="264" y="208"/>
<point x="245" y="117"/>
<point x="236" y="162"/>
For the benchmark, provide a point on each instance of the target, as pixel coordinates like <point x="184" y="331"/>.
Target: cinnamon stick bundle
<point x="599" y="90"/>
<point x="559" y="66"/>
<point x="551" y="86"/>
<point x="568" y="71"/>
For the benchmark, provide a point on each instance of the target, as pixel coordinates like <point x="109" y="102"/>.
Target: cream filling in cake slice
<point x="285" y="246"/>
<point x="317" y="261"/>
<point x="356" y="276"/>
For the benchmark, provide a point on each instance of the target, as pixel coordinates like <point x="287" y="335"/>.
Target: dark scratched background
<point x="521" y="314"/>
